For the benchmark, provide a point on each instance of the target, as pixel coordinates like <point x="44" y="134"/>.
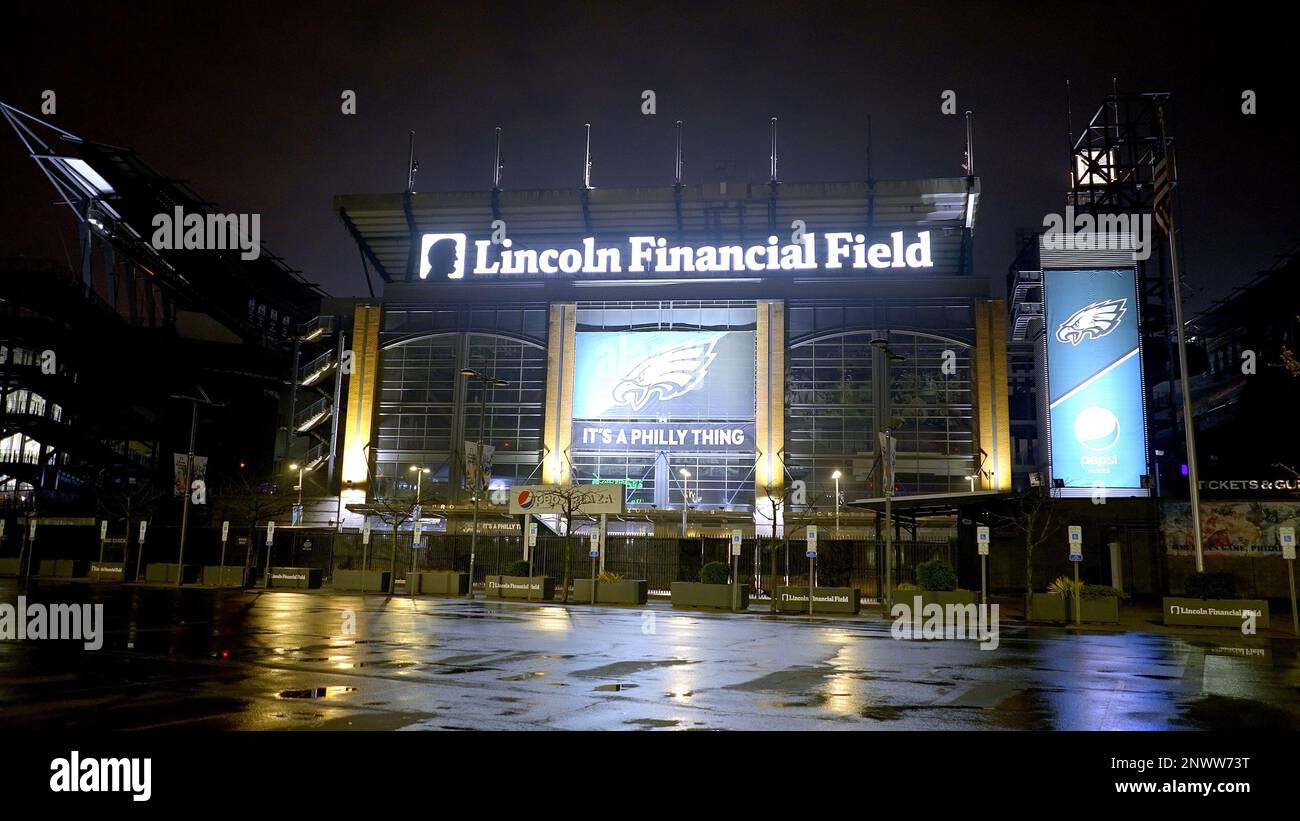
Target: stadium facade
<point x="715" y="346"/>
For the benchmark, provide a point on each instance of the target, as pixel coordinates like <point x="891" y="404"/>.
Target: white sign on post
<point x="270" y="533"/>
<point x="1076" y="543"/>
<point x="225" y="531"/>
<point x="416" y="533"/>
<point x="812" y="541"/>
<point x="982" y="539"/>
<point x="595" y="543"/>
<point x="103" y="530"/>
<point x="1286" y="536"/>
<point x="32" y="536"/>
<point x="365" y="532"/>
<point x="532" y="534"/>
<point x="736" y="538"/>
<point x="143" y="525"/>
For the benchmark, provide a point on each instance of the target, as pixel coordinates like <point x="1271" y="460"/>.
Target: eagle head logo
<point x="1092" y="321"/>
<point x="665" y="374"/>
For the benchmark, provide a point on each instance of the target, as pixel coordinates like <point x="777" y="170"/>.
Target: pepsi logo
<point x="525" y="499"/>
<point x="1096" y="428"/>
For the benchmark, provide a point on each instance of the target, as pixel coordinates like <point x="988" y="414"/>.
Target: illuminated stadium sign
<point x="445" y="255"/>
<point x="690" y="391"/>
<point x="1096" y="414"/>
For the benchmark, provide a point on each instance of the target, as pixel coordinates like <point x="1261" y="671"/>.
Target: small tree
<point x="248" y="504"/>
<point x="396" y="511"/>
<point x="128" y="498"/>
<point x="571" y="500"/>
<point x="1033" y="516"/>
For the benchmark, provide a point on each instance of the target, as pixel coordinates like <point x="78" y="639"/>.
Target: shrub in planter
<point x="714" y="573"/>
<point x="1218" y="585"/>
<point x="1101" y="591"/>
<point x="936" y="574"/>
<point x="609" y="576"/>
<point x="518" y="567"/>
<point x="906" y="587"/>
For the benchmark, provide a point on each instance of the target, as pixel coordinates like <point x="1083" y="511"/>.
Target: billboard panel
<point x="1096" y="412"/>
<point x="664" y="375"/>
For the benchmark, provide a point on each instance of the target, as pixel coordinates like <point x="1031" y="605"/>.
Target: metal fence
<point x="659" y="560"/>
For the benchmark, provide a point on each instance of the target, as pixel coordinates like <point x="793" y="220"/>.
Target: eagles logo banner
<point x="1094" y="378"/>
<point x="664" y="375"/>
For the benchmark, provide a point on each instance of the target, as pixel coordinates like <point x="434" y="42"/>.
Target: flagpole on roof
<point x="1170" y="173"/>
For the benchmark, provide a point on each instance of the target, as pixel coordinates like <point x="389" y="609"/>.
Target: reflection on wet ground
<point x="271" y="660"/>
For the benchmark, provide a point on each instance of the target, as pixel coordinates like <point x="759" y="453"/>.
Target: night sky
<point x="243" y="100"/>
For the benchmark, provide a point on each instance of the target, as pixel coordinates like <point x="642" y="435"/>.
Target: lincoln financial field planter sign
<point x="825" y="600"/>
<point x="1214" y="612"/>
<point x="520" y="587"/>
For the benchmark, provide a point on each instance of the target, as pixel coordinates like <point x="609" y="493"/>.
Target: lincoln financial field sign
<point x="683" y="391"/>
<point x="445" y="255"/>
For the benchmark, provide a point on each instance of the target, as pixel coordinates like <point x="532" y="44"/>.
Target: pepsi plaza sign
<point x="1096" y="414"/>
<point x="445" y="256"/>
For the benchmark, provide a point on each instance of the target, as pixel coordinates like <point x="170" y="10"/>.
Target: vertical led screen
<point x="671" y="391"/>
<point x="1094" y="378"/>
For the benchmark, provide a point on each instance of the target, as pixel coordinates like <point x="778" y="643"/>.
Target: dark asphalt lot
<point x="201" y="659"/>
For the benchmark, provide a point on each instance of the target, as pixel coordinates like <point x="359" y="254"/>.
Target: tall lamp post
<point x="419" y="472"/>
<point x="836" y="476"/>
<point x="887" y="461"/>
<point x="686" y="497"/>
<point x="485" y="382"/>
<point x="189" y="473"/>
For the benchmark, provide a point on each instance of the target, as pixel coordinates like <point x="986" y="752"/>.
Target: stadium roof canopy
<point x="116" y="195"/>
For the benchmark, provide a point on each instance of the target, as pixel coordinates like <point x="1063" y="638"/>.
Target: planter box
<point x="229" y="576"/>
<point x="825" y="600"/>
<point x="708" y="596"/>
<point x="300" y="577"/>
<point x="167" y="573"/>
<point x="1213" y="612"/>
<point x="1051" y="607"/>
<point x="540" y="588"/>
<point x="362" y="581"/>
<point x="107" y="572"/>
<point x="624" y="591"/>
<point x="61" y="568"/>
<point x="9" y="567"/>
<point x="438" y="583"/>
<point x="939" y="597"/>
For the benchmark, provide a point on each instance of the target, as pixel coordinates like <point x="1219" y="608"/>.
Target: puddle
<point x="455" y="671"/>
<point x="626" y="668"/>
<point x="520" y="677"/>
<point x="653" y="722"/>
<point x="316" y="692"/>
<point x="613" y="688"/>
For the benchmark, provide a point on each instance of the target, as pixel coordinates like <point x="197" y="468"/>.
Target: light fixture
<point x="836" y="475"/>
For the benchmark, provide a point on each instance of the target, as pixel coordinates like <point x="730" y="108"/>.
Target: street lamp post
<point x="887" y="462"/>
<point x="485" y="382"/>
<point x="686" y="499"/>
<point x="418" y="515"/>
<point x="836" y="476"/>
<point x="189" y="475"/>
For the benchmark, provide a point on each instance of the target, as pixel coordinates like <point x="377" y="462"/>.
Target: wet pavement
<point x="197" y="659"/>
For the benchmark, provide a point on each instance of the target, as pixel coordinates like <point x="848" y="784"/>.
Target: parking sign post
<point x="982" y="539"/>
<point x="1076" y="556"/>
<point x="812" y="564"/>
<point x="1286" y="535"/>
